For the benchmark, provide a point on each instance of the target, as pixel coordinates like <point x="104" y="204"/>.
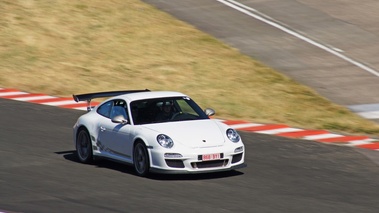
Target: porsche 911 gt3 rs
<point x="156" y="131"/>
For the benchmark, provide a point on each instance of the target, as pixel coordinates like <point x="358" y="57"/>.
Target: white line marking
<point x="240" y="126"/>
<point x="270" y="21"/>
<point x="321" y="136"/>
<point x="281" y="130"/>
<point x="81" y="108"/>
<point x="360" y="142"/>
<point x="369" y="115"/>
<point x="4" y="94"/>
<point x="33" y="98"/>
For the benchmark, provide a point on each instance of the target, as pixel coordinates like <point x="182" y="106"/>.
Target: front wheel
<point x="84" y="146"/>
<point x="141" y="159"/>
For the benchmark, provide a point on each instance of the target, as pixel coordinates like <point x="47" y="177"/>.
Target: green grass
<point x="65" y="47"/>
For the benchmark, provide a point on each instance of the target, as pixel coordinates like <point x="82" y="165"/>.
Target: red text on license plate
<point x="211" y="157"/>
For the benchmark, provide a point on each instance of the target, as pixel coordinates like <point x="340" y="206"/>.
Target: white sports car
<point x="163" y="132"/>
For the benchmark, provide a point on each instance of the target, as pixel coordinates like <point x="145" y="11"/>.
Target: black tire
<point x="141" y="159"/>
<point x="84" y="146"/>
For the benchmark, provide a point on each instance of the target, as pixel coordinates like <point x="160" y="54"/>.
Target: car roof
<point x="149" y="95"/>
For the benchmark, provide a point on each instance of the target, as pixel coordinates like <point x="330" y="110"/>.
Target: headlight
<point x="165" y="141"/>
<point x="233" y="135"/>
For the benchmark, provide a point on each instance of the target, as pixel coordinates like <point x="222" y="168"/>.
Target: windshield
<point x="165" y="110"/>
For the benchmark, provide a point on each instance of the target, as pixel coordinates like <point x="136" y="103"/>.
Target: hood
<point x="194" y="134"/>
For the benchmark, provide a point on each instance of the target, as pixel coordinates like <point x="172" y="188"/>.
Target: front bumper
<point x="192" y="162"/>
<point x="164" y="171"/>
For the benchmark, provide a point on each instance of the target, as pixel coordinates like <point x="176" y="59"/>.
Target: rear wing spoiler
<point x="89" y="96"/>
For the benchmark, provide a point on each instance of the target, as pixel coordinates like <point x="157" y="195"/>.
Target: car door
<point x="115" y="137"/>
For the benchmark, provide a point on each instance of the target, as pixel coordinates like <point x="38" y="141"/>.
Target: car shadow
<point x="128" y="169"/>
<point x="100" y="163"/>
<point x="201" y="176"/>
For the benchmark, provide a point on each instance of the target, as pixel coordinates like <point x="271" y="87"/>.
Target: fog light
<point x="173" y="155"/>
<point x="239" y="149"/>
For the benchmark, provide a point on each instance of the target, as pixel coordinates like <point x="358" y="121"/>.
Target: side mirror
<point x="209" y="111"/>
<point x="119" y="119"/>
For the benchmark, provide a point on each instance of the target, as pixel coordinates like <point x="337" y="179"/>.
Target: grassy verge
<point x="65" y="47"/>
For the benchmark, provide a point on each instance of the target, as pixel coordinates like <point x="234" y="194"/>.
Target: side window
<point x="119" y="108"/>
<point x="105" y="109"/>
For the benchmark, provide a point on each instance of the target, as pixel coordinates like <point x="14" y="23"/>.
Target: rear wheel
<point x="141" y="159"/>
<point x="83" y="146"/>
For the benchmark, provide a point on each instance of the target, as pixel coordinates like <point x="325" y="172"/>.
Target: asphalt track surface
<point x="330" y="46"/>
<point x="39" y="172"/>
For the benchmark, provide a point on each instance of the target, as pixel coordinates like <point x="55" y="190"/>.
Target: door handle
<point x="102" y="129"/>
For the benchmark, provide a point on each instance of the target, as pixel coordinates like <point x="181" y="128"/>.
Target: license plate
<point x="208" y="157"/>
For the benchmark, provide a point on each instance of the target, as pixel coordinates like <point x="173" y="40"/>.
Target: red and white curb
<point x="323" y="136"/>
<point x="270" y="129"/>
<point x="43" y="99"/>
